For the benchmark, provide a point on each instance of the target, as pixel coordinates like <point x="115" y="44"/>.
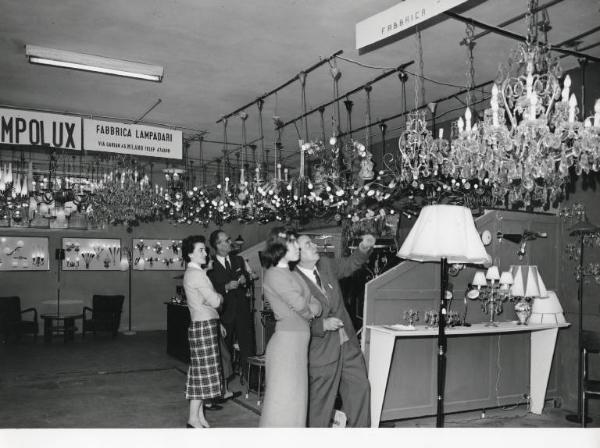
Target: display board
<point x="18" y="253"/>
<point x="157" y="255"/>
<point x="91" y="254"/>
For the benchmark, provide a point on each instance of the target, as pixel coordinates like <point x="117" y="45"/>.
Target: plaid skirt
<point x="205" y="374"/>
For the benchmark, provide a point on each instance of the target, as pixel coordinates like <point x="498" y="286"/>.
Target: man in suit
<point x="230" y="278"/>
<point x="335" y="361"/>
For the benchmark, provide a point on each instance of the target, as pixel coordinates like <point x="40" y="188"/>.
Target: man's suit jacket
<point x="219" y="276"/>
<point x="325" y="345"/>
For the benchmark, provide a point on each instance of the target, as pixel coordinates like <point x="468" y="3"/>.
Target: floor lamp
<point x="444" y="234"/>
<point x="580" y="229"/>
<point x="127" y="264"/>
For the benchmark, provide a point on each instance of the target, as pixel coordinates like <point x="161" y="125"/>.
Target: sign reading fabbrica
<point x="139" y="140"/>
<point x="399" y="18"/>
<point x="23" y="127"/>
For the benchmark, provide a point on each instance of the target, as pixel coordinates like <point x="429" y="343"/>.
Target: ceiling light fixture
<point x="98" y="64"/>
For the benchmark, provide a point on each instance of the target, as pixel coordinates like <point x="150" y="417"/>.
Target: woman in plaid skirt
<point x="205" y="374"/>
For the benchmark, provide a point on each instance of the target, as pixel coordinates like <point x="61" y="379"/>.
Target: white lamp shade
<point x="506" y="278"/>
<point x="479" y="279"/>
<point x="517" y="289"/>
<point x="527" y="282"/>
<point x="444" y="231"/>
<point x="547" y="310"/>
<point x="493" y="273"/>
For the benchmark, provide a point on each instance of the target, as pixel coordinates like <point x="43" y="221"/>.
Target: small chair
<point x="11" y="321"/>
<point x="256" y="362"/>
<point x="106" y="314"/>
<point x="591" y="387"/>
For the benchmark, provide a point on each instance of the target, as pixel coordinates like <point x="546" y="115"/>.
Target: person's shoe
<point x="213" y="407"/>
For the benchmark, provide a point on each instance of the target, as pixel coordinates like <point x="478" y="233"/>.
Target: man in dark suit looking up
<point x="230" y="278"/>
<point x="335" y="361"/>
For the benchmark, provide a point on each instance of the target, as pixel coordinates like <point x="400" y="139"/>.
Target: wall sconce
<point x="521" y="238"/>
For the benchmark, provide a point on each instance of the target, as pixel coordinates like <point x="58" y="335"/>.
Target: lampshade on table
<point x="527" y="282"/>
<point x="547" y="310"/>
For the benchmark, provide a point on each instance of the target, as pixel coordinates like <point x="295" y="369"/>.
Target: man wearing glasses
<point x="230" y="277"/>
<point x="335" y="361"/>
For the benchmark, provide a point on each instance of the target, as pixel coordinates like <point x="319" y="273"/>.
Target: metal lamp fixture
<point x="91" y="63"/>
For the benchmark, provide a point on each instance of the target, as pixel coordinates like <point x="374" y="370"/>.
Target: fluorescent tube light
<point x="98" y="64"/>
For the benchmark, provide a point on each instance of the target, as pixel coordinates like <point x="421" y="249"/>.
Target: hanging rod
<point x="517" y="37"/>
<point x="423" y="106"/>
<point x="285" y="84"/>
<point x="514" y="19"/>
<point x="373" y="81"/>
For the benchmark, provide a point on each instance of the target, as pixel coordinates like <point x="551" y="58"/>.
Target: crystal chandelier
<point x="124" y="196"/>
<point x="530" y="135"/>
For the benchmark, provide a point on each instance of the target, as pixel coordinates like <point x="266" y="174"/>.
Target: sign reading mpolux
<point x="23" y="127"/>
<point x="399" y="18"/>
<point x="139" y="140"/>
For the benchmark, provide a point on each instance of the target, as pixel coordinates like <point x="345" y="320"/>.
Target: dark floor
<point x="130" y="382"/>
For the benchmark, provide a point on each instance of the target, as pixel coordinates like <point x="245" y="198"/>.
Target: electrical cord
<point x="352" y="61"/>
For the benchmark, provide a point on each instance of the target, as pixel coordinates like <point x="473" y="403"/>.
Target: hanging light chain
<point x="470" y="43"/>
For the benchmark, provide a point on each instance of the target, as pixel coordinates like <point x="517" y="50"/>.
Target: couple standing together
<point x="305" y="295"/>
<point x="314" y="353"/>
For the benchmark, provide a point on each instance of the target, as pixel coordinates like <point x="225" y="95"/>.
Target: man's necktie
<point x="227" y="265"/>
<point x="317" y="278"/>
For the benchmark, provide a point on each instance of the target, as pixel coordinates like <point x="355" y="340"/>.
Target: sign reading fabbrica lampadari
<point x="121" y="138"/>
<point x="23" y="127"/>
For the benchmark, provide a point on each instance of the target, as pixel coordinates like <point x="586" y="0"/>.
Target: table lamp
<point x="527" y="285"/>
<point x="444" y="234"/>
<point x="492" y="289"/>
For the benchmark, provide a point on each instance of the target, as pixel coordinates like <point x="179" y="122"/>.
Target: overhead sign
<point x="23" y="127"/>
<point x="399" y="18"/>
<point x="139" y="140"/>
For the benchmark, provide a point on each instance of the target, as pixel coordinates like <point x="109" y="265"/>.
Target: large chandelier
<point x="530" y="136"/>
<point x="125" y="195"/>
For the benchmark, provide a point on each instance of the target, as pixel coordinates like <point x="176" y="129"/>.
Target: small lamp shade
<point x="493" y="273"/>
<point x="239" y="240"/>
<point x="479" y="279"/>
<point x="527" y="282"/>
<point x="546" y="310"/>
<point x="444" y="231"/>
<point x="506" y="278"/>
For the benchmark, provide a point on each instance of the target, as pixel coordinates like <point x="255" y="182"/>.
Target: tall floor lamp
<point x="445" y="234"/>
<point x="580" y="229"/>
<point x="127" y="265"/>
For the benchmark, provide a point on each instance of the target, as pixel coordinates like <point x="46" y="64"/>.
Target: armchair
<point x="11" y="319"/>
<point x="105" y="314"/>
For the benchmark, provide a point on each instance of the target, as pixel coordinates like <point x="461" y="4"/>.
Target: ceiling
<point x="220" y="55"/>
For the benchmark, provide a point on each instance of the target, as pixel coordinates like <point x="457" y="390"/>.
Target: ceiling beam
<point x="517" y="37"/>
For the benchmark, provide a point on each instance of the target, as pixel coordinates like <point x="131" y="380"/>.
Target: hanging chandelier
<point x="530" y="135"/>
<point x="124" y="196"/>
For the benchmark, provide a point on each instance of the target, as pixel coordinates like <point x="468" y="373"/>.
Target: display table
<point x="57" y="324"/>
<point x="178" y="321"/>
<point x="383" y="338"/>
